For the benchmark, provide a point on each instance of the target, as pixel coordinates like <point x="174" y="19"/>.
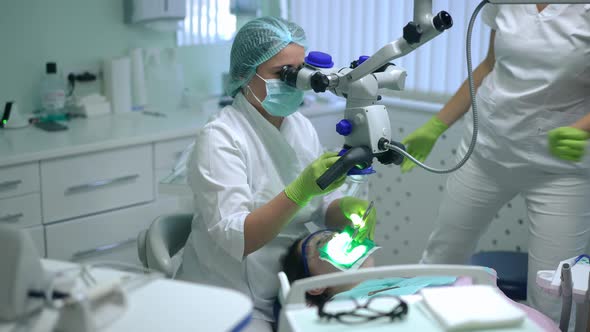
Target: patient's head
<point x="296" y="266"/>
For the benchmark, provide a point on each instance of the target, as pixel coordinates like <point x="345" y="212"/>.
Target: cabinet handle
<point x="11" y="217"/>
<point x="102" y="249"/>
<point x="99" y="184"/>
<point x="9" y="184"/>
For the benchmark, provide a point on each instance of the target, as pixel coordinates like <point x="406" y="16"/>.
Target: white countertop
<point x="94" y="134"/>
<point x="111" y="131"/>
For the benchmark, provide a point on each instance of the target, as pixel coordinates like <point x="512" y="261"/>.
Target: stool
<point x="512" y="269"/>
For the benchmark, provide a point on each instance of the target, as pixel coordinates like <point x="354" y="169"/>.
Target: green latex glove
<point x="304" y="187"/>
<point x="420" y="142"/>
<point x="351" y="205"/>
<point x="568" y="143"/>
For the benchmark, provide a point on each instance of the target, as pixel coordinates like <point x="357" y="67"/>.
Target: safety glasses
<point x="353" y="311"/>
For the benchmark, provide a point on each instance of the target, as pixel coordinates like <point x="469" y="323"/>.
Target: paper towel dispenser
<point x="159" y="14"/>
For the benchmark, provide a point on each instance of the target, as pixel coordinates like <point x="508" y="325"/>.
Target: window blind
<point x="206" y="22"/>
<point x="347" y="29"/>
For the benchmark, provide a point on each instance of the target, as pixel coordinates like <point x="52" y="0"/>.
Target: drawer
<point x="109" y="236"/>
<point x="168" y="152"/>
<point x="91" y="183"/>
<point x="38" y="236"/>
<point x="19" y="179"/>
<point x="21" y="211"/>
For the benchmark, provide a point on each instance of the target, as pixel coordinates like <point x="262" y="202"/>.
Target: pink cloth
<point x="541" y="320"/>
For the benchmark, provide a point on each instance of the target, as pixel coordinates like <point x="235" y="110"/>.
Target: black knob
<point x="412" y="32"/>
<point x="442" y="21"/>
<point x="319" y="82"/>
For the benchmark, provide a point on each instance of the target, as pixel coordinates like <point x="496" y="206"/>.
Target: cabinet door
<point x="19" y="179"/>
<point x="21" y="211"/>
<point x="107" y="236"/>
<point x="91" y="183"/>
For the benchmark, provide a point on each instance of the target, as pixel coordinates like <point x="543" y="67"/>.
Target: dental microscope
<point x="366" y="126"/>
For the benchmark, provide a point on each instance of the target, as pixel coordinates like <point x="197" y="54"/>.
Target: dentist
<point x="253" y="173"/>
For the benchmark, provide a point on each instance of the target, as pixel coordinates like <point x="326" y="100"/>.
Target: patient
<point x="297" y="267"/>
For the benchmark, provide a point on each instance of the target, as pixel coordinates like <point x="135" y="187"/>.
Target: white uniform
<point x="540" y="81"/>
<point x="239" y="163"/>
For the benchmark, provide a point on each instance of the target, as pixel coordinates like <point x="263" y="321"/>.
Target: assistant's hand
<point x="304" y="187"/>
<point x="351" y="205"/>
<point x="420" y="142"/>
<point x="568" y="143"/>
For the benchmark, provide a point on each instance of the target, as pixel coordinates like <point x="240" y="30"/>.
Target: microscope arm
<point x="416" y="33"/>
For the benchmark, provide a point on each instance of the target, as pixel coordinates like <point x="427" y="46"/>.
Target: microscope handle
<point x="360" y="155"/>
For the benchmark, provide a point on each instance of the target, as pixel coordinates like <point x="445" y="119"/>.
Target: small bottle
<point x="53" y="90"/>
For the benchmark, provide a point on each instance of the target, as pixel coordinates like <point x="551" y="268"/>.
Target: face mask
<point x="281" y="99"/>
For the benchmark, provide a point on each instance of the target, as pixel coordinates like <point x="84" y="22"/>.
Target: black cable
<point x="56" y="295"/>
<point x="71" y="83"/>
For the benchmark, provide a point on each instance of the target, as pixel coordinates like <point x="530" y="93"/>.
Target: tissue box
<point x="93" y="105"/>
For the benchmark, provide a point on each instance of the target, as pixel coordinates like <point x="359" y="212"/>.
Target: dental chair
<point x="165" y="238"/>
<point x="295" y="315"/>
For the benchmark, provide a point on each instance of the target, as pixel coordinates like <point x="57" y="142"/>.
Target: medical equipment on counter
<point x="53" y="90"/>
<point x="11" y="117"/>
<point x="153" y="304"/>
<point x="296" y="315"/>
<point x="26" y="288"/>
<point x="571" y="281"/>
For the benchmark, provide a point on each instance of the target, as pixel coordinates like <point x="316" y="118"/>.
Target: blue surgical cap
<point x="255" y="43"/>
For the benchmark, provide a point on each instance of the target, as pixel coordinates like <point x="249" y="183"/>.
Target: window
<point x="206" y="22"/>
<point x="347" y="29"/>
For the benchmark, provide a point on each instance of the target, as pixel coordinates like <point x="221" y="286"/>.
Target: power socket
<point x="92" y="68"/>
<point x="87" y="77"/>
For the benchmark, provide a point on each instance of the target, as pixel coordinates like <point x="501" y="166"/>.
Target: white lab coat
<point x="239" y="163"/>
<point x="540" y="81"/>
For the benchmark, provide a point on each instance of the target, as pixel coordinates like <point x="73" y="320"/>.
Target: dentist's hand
<point x="420" y="142"/>
<point x="568" y="143"/>
<point x="304" y="187"/>
<point x="351" y="205"/>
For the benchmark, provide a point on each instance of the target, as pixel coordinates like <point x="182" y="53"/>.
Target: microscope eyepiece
<point x="289" y="74"/>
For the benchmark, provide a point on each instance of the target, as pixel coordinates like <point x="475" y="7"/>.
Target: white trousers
<point x="558" y="208"/>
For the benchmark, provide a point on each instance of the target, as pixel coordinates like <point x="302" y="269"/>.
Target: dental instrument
<point x="360" y="224"/>
<point x="571" y="282"/>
